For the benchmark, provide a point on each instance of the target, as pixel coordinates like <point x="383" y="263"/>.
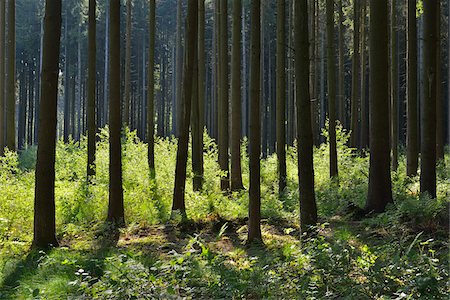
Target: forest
<point x="224" y="149"/>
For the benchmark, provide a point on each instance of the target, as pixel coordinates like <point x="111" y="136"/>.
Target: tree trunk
<point x="331" y="89"/>
<point x="341" y="79"/>
<point x="412" y="144"/>
<point x="364" y="102"/>
<point x="2" y="75"/>
<point x="177" y="115"/>
<point x="151" y="90"/>
<point x="223" y="139"/>
<point x="44" y="201"/>
<point x="394" y="86"/>
<point x="281" y="96"/>
<point x="11" y="77"/>
<point x="355" y="76"/>
<point x="128" y="38"/>
<point x="439" y="95"/>
<point x="380" y="193"/>
<point x="308" y="209"/>
<point x="183" y="141"/>
<point x="115" y="207"/>
<point x="236" y="172"/>
<point x="91" y="123"/>
<point x="22" y="113"/>
<point x="254" y="207"/>
<point x="428" y="112"/>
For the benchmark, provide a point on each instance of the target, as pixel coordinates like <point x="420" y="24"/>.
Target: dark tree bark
<point x="394" y="86"/>
<point x="11" y="77"/>
<point x="412" y="144"/>
<point x="380" y="192"/>
<point x="182" y="151"/>
<point x="236" y="172"/>
<point x="356" y="83"/>
<point x="115" y="207"/>
<point x="331" y="79"/>
<point x="308" y="209"/>
<point x="91" y="123"/>
<point x="151" y="90"/>
<point x="439" y="95"/>
<point x="128" y="38"/>
<point x="2" y="75"/>
<point x="428" y="112"/>
<point x="223" y="139"/>
<point x="281" y="95"/>
<point x="44" y="201"/>
<point x="254" y="208"/>
<point x="364" y="102"/>
<point x="341" y="79"/>
<point x="177" y="114"/>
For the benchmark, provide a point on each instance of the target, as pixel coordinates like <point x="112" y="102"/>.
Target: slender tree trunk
<point x="11" y="77"/>
<point x="106" y="68"/>
<point x="22" y="109"/>
<point x="308" y="209"/>
<point x="331" y="88"/>
<point x="115" y="207"/>
<point x="312" y="67"/>
<point x="394" y="86"/>
<point x="341" y="79"/>
<point x="151" y="90"/>
<point x="236" y="96"/>
<point x="254" y="207"/>
<point x="223" y="95"/>
<point x="380" y="192"/>
<point x="2" y="75"/>
<point x="412" y="144"/>
<point x="364" y="102"/>
<point x="182" y="151"/>
<point x="31" y="108"/>
<point x="355" y="76"/>
<point x="128" y="38"/>
<point x="195" y="128"/>
<point x="91" y="123"/>
<point x="428" y="113"/>
<point x="179" y="75"/>
<point x="281" y="95"/>
<point x="439" y="95"/>
<point x="44" y="201"/>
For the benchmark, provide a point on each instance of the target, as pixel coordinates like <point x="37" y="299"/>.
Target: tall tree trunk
<point x="11" y="77"/>
<point x="281" y="95"/>
<point x="223" y="95"/>
<point x="115" y="207"/>
<point x="355" y="76"/>
<point x="183" y="141"/>
<point x="254" y="208"/>
<point x="308" y="209"/>
<point x="236" y="96"/>
<point x="331" y="89"/>
<point x="30" y="115"/>
<point x="91" y="123"/>
<point x="394" y="86"/>
<point x="151" y="90"/>
<point x="312" y="67"/>
<point x="22" y="109"/>
<point x="44" y="201"/>
<point x="364" y="102"/>
<point x="380" y="192"/>
<point x="412" y="144"/>
<point x="439" y="95"/>
<point x="428" y="115"/>
<point x="104" y="106"/>
<point x="179" y="75"/>
<point x="128" y="38"/>
<point x="2" y="75"/>
<point x="341" y="79"/>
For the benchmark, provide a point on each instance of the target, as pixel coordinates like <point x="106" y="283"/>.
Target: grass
<point x="400" y="254"/>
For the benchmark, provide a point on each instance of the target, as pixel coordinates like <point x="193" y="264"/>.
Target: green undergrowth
<point x="401" y="253"/>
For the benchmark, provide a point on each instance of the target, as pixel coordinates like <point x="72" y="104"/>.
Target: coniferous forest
<point x="224" y="149"/>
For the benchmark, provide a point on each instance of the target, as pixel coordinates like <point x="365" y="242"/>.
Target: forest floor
<point x="400" y="254"/>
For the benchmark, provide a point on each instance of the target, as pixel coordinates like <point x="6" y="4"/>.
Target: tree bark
<point x="412" y="144"/>
<point x="2" y="75"/>
<point x="115" y="207"/>
<point x="380" y="192"/>
<point x="151" y="90"/>
<point x="341" y="79"/>
<point x="254" y="208"/>
<point x="177" y="114"/>
<point x="183" y="141"/>
<point x="394" y="86"/>
<point x="308" y="209"/>
<point x="128" y="38"/>
<point x="11" y="77"/>
<point x="439" y="95"/>
<point x="364" y="102"/>
<point x="354" y="143"/>
<point x="44" y="201"/>
<point x="281" y="95"/>
<point x="331" y="89"/>
<point x="92" y="126"/>
<point x="236" y="96"/>
<point x="428" y="112"/>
